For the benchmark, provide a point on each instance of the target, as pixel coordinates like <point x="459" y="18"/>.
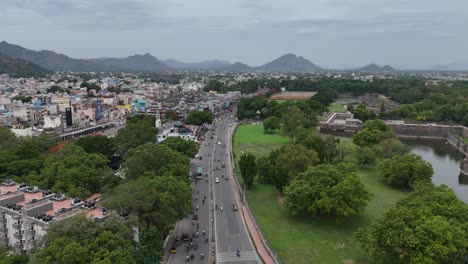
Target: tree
<point x="271" y="123"/>
<point x="366" y="138"/>
<point x="133" y="135"/>
<point x="55" y="89"/>
<point x="291" y="121"/>
<point x="8" y="139"/>
<point x="365" y="156"/>
<point x="327" y="190"/>
<point x="156" y="201"/>
<point x="81" y="241"/>
<point x="405" y="170"/>
<point x="157" y="158"/>
<point x="324" y="145"/>
<point x="74" y="172"/>
<point x="296" y="159"/>
<point x="172" y="115"/>
<point x="6" y="258"/>
<point x="199" y="118"/>
<point x="391" y="147"/>
<point x="187" y="147"/>
<point x="248" y="168"/>
<point x="97" y="144"/>
<point x="376" y="124"/>
<point x="426" y="226"/>
<point x="362" y="113"/>
<point x="150" y="249"/>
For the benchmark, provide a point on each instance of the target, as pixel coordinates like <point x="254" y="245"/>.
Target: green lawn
<point x="305" y="239"/>
<point x="251" y="138"/>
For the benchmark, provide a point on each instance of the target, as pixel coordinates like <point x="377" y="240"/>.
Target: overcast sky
<point x="327" y="32"/>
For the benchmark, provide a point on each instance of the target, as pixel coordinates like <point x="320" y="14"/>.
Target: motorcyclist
<point x="204" y="232"/>
<point x="221" y="208"/>
<point x="202" y="256"/>
<point x="238" y="253"/>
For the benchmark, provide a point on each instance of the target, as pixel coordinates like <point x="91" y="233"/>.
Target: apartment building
<point x="26" y="213"/>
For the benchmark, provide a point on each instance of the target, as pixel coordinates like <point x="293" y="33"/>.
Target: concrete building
<point x="26" y="213"/>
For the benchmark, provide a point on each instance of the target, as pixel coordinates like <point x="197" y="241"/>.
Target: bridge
<point x="88" y="130"/>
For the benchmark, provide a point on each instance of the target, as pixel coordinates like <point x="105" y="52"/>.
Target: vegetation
<point x="97" y="144"/>
<point x="20" y="68"/>
<point x="199" y="118"/>
<point x="248" y="168"/>
<point x="271" y="123"/>
<point x="157" y="201"/>
<point x="79" y="240"/>
<point x="187" y="147"/>
<point x="139" y="130"/>
<point x="157" y="158"/>
<point x="405" y="170"/>
<point x="427" y="226"/>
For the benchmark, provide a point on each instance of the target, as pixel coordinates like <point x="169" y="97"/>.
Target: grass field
<point x="305" y="239"/>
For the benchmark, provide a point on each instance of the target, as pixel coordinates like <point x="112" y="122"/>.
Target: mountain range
<point x="20" y="68"/>
<point x="376" y="68"/>
<point x="147" y="63"/>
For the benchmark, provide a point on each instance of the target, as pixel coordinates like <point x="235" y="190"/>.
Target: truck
<point x="199" y="172"/>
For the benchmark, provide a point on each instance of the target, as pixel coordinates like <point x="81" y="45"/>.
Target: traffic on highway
<point x="216" y="231"/>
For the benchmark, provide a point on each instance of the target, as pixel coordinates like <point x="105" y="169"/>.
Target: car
<point x="219" y="142"/>
<point x="217" y="179"/>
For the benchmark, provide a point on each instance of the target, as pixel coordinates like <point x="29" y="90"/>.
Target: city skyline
<point x="332" y="34"/>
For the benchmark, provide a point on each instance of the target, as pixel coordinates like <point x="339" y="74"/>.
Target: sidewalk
<point x="259" y="243"/>
<point x="248" y="218"/>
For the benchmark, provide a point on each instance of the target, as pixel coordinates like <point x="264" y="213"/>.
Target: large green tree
<point x="296" y="159"/>
<point x="74" y="172"/>
<point x="327" y="190"/>
<point x="157" y="158"/>
<point x="187" y="147"/>
<point x="156" y="201"/>
<point x="248" y="168"/>
<point x="427" y="226"/>
<point x="97" y="144"/>
<point x="365" y="156"/>
<point x="271" y="123"/>
<point x="150" y="248"/>
<point x="291" y="121"/>
<point x="199" y="118"/>
<point x="78" y="240"/>
<point x="133" y="135"/>
<point x="8" y="139"/>
<point x="405" y="170"/>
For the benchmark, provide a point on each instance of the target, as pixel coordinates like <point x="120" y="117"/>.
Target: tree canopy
<point x="74" y="172"/>
<point x="97" y="144"/>
<point x="327" y="190"/>
<point x="187" y="147"/>
<point x="78" y="240"/>
<point x="248" y="168"/>
<point x="156" y="201"/>
<point x="427" y="226"/>
<point x="135" y="134"/>
<point x="199" y="118"/>
<point x="405" y="170"/>
<point x="157" y="158"/>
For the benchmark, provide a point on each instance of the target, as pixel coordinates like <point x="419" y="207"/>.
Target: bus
<point x="199" y="172"/>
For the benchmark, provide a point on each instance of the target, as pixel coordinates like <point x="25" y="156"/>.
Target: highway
<point x="225" y="229"/>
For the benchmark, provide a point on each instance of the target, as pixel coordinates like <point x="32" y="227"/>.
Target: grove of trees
<point x="199" y="118"/>
<point x="427" y="226"/>
<point x="405" y="170"/>
<point x="327" y="190"/>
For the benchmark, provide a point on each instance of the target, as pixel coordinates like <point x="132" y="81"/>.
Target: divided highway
<point x="226" y="230"/>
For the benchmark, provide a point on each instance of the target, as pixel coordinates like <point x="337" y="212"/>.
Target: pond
<point x="445" y="161"/>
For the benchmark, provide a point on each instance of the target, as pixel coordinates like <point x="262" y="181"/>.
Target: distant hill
<point x="290" y="63"/>
<point x="135" y="63"/>
<point x="236" y="67"/>
<point x="203" y="65"/>
<point x="376" y="68"/>
<point x="20" y="68"/>
<point x="51" y="60"/>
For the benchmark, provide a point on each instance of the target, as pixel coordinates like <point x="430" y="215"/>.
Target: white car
<point x="217" y="179"/>
<point x="219" y="142"/>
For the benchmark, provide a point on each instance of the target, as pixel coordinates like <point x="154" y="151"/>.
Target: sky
<point x="330" y="33"/>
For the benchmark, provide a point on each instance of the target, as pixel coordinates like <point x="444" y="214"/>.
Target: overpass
<point x="88" y="130"/>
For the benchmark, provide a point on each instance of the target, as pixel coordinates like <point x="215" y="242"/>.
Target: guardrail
<point x="267" y="245"/>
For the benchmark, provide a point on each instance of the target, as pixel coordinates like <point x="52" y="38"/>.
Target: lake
<point x="445" y="161"/>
